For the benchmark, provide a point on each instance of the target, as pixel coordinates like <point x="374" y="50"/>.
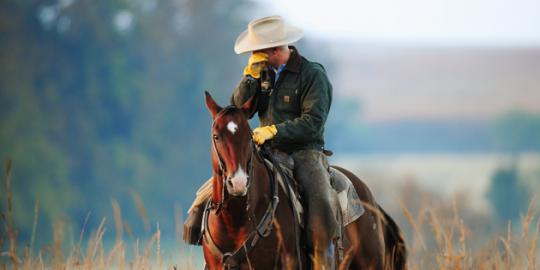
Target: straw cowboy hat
<point x="267" y="32"/>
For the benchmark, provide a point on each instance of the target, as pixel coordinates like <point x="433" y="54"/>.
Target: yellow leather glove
<point x="256" y="63"/>
<point x="262" y="134"/>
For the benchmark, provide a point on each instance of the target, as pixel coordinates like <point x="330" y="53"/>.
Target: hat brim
<point x="243" y="44"/>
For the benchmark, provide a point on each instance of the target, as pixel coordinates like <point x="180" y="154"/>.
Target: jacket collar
<point x="295" y="60"/>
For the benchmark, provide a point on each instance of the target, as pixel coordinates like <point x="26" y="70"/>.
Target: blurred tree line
<point x="517" y="132"/>
<point x="99" y="99"/>
<point x="514" y="133"/>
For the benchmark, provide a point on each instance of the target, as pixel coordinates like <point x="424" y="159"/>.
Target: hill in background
<point x="435" y="98"/>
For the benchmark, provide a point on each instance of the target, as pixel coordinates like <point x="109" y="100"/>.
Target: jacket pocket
<point x="288" y="100"/>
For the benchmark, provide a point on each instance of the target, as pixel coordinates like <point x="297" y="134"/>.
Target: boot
<point x="192" y="227"/>
<point x="323" y="258"/>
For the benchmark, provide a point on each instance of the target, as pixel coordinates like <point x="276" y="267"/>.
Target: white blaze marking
<point x="232" y="126"/>
<point x="239" y="182"/>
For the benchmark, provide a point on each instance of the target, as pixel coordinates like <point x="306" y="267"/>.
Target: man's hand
<point x="256" y="63"/>
<point x="262" y="134"/>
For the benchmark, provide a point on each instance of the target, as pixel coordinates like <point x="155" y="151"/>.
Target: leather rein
<point x="232" y="260"/>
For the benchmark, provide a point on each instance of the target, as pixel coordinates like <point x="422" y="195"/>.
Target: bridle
<point x="222" y="168"/>
<point x="232" y="260"/>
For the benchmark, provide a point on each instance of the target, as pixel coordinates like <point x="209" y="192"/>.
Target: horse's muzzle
<point x="237" y="184"/>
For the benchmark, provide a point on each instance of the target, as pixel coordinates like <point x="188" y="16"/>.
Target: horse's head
<point x="231" y="140"/>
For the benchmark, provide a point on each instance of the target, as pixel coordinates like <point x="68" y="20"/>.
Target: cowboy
<point x="293" y="99"/>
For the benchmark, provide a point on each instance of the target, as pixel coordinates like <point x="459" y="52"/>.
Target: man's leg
<point x="193" y="223"/>
<point x="311" y="170"/>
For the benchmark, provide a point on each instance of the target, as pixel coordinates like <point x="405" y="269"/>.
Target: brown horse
<point x="249" y="223"/>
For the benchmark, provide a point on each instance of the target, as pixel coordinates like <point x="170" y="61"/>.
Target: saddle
<point x="349" y="201"/>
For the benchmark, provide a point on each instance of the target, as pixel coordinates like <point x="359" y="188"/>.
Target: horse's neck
<point x="259" y="192"/>
<point x="217" y="188"/>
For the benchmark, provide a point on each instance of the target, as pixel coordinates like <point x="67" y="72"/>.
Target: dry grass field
<point x="448" y="235"/>
<point x="440" y="235"/>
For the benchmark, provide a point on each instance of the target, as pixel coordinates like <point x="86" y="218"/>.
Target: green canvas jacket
<point x="298" y="103"/>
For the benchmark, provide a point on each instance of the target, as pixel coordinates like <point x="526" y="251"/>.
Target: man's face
<point x="273" y="56"/>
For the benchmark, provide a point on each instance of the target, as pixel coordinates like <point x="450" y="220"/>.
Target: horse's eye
<point x="216" y="137"/>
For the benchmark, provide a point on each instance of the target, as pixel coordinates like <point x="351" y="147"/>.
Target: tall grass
<point x="439" y="237"/>
<point x="86" y="253"/>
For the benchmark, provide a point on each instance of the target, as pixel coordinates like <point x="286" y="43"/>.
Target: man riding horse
<point x="292" y="97"/>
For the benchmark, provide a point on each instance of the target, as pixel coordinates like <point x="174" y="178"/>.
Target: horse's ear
<point x="212" y="105"/>
<point x="249" y="107"/>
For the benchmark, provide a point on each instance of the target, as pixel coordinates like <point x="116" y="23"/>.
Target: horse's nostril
<point x="229" y="182"/>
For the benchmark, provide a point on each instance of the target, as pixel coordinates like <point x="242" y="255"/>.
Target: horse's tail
<point x="394" y="242"/>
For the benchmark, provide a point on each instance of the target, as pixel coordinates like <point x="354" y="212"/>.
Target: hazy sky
<point x="452" y="22"/>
